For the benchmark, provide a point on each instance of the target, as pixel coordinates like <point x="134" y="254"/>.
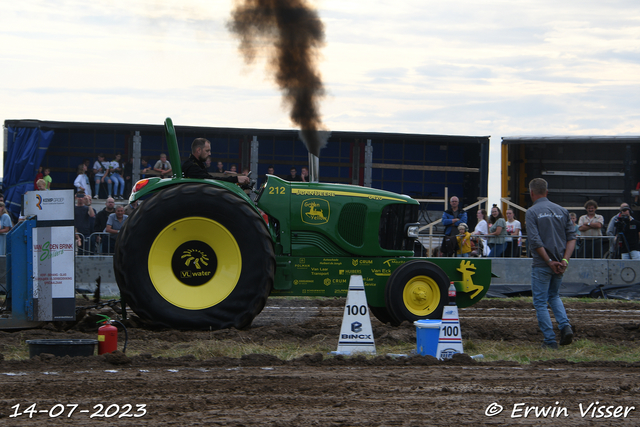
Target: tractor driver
<point x="194" y="166"/>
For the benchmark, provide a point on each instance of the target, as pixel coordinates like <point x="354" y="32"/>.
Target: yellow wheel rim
<point x="421" y="295"/>
<point x="195" y="263"/>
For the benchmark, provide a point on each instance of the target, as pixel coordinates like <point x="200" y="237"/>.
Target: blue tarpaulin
<point x="26" y="148"/>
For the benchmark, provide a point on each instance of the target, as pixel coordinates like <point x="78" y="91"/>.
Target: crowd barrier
<point x="587" y="247"/>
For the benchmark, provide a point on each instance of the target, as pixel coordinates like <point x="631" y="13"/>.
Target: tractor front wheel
<point x="416" y="290"/>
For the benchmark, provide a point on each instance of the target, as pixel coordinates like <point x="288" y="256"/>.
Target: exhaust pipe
<point x="314" y="168"/>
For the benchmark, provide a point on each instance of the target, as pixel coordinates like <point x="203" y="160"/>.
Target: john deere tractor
<point x="200" y="254"/>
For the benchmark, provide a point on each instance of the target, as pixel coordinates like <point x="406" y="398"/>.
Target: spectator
<point x="130" y="208"/>
<point x="233" y="169"/>
<point x="293" y="175"/>
<point x="451" y="218"/>
<point x="39" y="176"/>
<point x="114" y="224"/>
<point x="464" y="241"/>
<point x="116" y="168"/>
<point x="82" y="219"/>
<point x="552" y="240"/>
<point x="128" y="177"/>
<point x="627" y="230"/>
<point x="497" y="232"/>
<point x="163" y="167"/>
<point x="220" y="167"/>
<point x="41" y="185"/>
<point x="88" y="171"/>
<point x="82" y="181"/>
<point x="5" y="227"/>
<point x="271" y="170"/>
<point x="246" y="171"/>
<point x="482" y="229"/>
<point x="574" y="221"/>
<point x="101" y="174"/>
<point x="611" y="232"/>
<point x="513" y="229"/>
<point x="207" y="164"/>
<point x="47" y="178"/>
<point x="590" y="225"/>
<point x="304" y="174"/>
<point x="101" y="223"/>
<point x="144" y="167"/>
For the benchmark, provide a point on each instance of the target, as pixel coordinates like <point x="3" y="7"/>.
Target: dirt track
<point x="325" y="391"/>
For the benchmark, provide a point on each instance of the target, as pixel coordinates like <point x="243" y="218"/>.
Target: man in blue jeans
<point x="552" y="238"/>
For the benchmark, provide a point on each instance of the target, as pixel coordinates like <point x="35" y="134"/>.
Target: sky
<point x="461" y="67"/>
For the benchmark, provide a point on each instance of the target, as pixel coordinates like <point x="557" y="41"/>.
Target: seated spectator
<point x="128" y="177"/>
<point x="117" y="171"/>
<point x="5" y="227"/>
<point x="220" y="168"/>
<point x="101" y="174"/>
<point x="232" y="170"/>
<point x="82" y="181"/>
<point x="114" y="225"/>
<point x="590" y="226"/>
<point x="163" y="167"/>
<point x="82" y="216"/>
<point x="304" y="174"/>
<point x="293" y="175"/>
<point x="144" y="167"/>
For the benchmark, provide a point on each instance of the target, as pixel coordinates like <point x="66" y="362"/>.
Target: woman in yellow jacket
<point x="464" y="241"/>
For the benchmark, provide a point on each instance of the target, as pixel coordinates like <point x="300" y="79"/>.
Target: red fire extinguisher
<point x="107" y="336"/>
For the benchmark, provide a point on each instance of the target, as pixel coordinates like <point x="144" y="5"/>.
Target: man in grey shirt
<point x="552" y="238"/>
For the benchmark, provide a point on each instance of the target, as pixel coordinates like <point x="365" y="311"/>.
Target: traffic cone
<point x="450" y="339"/>
<point x="356" y="333"/>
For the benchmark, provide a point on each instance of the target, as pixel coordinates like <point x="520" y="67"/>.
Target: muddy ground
<point x="323" y="390"/>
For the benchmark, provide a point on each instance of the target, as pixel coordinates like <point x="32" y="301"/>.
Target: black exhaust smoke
<point x="292" y="33"/>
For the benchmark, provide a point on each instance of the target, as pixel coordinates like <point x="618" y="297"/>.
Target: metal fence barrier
<point x="587" y="247"/>
<point x="99" y="243"/>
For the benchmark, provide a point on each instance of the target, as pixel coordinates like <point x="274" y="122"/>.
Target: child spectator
<point x="464" y="241"/>
<point x="163" y="167"/>
<point x="39" y="175"/>
<point x="47" y="178"/>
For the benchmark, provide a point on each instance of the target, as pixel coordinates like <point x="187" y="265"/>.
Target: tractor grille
<point x="351" y="223"/>
<point x="392" y="234"/>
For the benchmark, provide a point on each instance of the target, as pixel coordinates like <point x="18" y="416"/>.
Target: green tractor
<point x="200" y="254"/>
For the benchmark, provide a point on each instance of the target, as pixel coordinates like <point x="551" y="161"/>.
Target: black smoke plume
<point x="292" y="33"/>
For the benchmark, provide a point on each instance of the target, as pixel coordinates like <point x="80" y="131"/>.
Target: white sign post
<point x="53" y="254"/>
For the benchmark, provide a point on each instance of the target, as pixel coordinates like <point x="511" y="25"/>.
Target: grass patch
<point x="581" y="350"/>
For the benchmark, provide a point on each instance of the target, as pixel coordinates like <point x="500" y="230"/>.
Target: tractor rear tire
<point x="195" y="256"/>
<point x="416" y="290"/>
